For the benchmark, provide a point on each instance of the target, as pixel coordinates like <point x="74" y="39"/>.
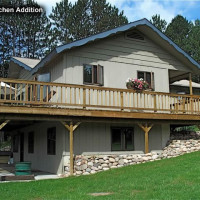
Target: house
<point x="75" y="100"/>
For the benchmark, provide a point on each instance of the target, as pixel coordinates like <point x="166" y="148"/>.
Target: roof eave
<point x="21" y="64"/>
<point x="45" y="60"/>
<point x="105" y="34"/>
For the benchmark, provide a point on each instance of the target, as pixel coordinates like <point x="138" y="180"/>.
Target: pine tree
<point x="61" y="22"/>
<point x="4" y="47"/>
<point x="193" y="41"/>
<point x="84" y="18"/>
<point x="159" y="23"/>
<point x="23" y="35"/>
<point x="81" y="25"/>
<point x="105" y="17"/>
<point x="178" y="30"/>
<point x="27" y="33"/>
<point x="36" y="36"/>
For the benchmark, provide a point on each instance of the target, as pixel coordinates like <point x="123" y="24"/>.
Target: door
<point x="22" y="147"/>
<point x="122" y="139"/>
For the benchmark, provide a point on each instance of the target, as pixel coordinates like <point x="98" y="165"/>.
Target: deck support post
<point x="191" y="92"/>
<point x="4" y="124"/>
<point x="146" y="130"/>
<point x="71" y="128"/>
<point x="190" y="81"/>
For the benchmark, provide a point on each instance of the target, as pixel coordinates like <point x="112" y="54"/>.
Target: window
<point x="93" y="74"/>
<point x="148" y="77"/>
<point x="15" y="143"/>
<point x="31" y="142"/>
<point x="51" y="141"/>
<point x="122" y="139"/>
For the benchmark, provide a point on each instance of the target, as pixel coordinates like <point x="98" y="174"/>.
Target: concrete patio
<point x="9" y="170"/>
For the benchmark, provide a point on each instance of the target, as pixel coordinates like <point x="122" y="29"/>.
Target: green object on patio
<point x="23" y="168"/>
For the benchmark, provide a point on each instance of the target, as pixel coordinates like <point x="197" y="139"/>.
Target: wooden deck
<point x="57" y="99"/>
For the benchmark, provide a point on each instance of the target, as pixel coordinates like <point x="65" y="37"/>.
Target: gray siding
<point x="88" y="137"/>
<point x="25" y="74"/>
<point x="121" y="59"/>
<point x="40" y="159"/>
<point x="93" y="137"/>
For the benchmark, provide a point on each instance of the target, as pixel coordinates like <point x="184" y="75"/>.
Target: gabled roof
<point x="143" y="22"/>
<point x="26" y="63"/>
<point x="17" y="64"/>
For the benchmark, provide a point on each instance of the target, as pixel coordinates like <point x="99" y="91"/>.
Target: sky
<point x="138" y="9"/>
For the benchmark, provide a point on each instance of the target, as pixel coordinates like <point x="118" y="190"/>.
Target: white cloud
<point x="148" y="8"/>
<point x="47" y="5"/>
<point x="167" y="9"/>
<point x="138" y="9"/>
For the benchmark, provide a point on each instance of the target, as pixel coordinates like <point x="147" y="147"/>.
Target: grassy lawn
<point x="175" y="178"/>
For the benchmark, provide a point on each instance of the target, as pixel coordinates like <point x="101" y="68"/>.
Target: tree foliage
<point x="193" y="41"/>
<point x="159" y="23"/>
<point x="84" y="18"/>
<point x="178" y="30"/>
<point x="22" y="34"/>
<point x="61" y="22"/>
<point x="184" y="33"/>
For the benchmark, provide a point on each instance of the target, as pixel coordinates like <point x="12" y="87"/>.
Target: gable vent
<point x="134" y="35"/>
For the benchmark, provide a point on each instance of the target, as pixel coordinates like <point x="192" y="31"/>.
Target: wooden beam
<point x="66" y="125"/>
<point x="4" y="124"/>
<point x="65" y="113"/>
<point x="71" y="128"/>
<point x="190" y="81"/>
<point x="71" y="146"/>
<point x="76" y="126"/>
<point x="146" y="130"/>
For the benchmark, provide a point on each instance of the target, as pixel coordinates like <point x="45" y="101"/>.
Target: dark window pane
<point x="116" y="140"/>
<point x="51" y="141"/>
<point x="31" y="142"/>
<point x="15" y="143"/>
<point x="148" y="78"/>
<point x="128" y="139"/>
<point x="87" y="73"/>
<point x="95" y="73"/>
<point x="100" y="74"/>
<point x="141" y="75"/>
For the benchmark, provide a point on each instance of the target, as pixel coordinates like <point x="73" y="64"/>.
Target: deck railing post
<point x="191" y="105"/>
<point x="41" y="93"/>
<point x="26" y="92"/>
<point x="122" y="100"/>
<point x="155" y="103"/>
<point x="183" y="105"/>
<point x="84" y="98"/>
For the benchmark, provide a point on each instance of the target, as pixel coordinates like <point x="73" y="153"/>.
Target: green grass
<point x="175" y="178"/>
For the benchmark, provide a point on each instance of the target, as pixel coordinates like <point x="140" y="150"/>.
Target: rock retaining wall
<point x="84" y="164"/>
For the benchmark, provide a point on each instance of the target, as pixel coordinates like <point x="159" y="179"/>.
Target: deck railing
<point x="34" y="93"/>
